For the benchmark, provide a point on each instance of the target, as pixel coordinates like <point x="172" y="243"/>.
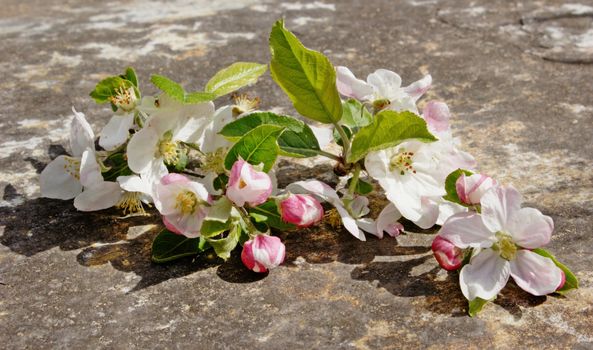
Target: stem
<point x="329" y="155"/>
<point x="247" y="220"/>
<point x="354" y="181"/>
<point x="345" y="139"/>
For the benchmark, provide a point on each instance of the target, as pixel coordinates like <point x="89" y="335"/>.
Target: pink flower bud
<point x="263" y="253"/>
<point x="302" y="210"/>
<point x="447" y="254"/>
<point x="470" y="189"/>
<point x="562" y="281"/>
<point x="248" y="185"/>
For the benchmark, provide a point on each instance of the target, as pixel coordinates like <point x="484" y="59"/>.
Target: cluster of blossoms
<point x="210" y="171"/>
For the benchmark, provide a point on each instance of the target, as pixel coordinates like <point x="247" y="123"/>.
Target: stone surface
<point x="517" y="75"/>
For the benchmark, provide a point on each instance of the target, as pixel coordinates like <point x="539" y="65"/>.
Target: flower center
<point x="213" y="161"/>
<point x="402" y="163"/>
<point x="72" y="167"/>
<point x="505" y="246"/>
<point x="124" y="98"/>
<point x="244" y="103"/>
<point x="130" y="203"/>
<point x="168" y="149"/>
<point x="380" y="104"/>
<point x="333" y="218"/>
<point x="186" y="202"/>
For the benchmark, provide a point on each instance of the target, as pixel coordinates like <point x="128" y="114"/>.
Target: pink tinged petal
<point x="485" y="275"/>
<point x="247" y="185"/>
<point x="116" y="132"/>
<point x="192" y="117"/>
<point x="470" y="189"/>
<point x="59" y="179"/>
<point x="170" y="226"/>
<point x="530" y="228"/>
<point x="142" y="150"/>
<point x="90" y="172"/>
<point x="448" y="209"/>
<point x="418" y="88"/>
<point x="437" y="116"/>
<point x="387" y="221"/>
<point x="498" y="205"/>
<point x="562" y="281"/>
<point x="348" y="85"/>
<point x="101" y="196"/>
<point x="360" y="206"/>
<point x="387" y="84"/>
<point x="174" y="178"/>
<point x="262" y="253"/>
<point x="467" y="230"/>
<point x="447" y="254"/>
<point x="534" y="273"/>
<point x="81" y="134"/>
<point x="301" y="209"/>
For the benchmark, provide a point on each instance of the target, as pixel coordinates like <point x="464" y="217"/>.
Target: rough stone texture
<point x="516" y="74"/>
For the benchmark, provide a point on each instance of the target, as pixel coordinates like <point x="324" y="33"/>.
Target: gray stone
<point x="516" y="75"/>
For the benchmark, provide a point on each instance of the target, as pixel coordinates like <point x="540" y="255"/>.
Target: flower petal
<point x="530" y="228"/>
<point x="429" y="213"/>
<point x="323" y="135"/>
<point x="388" y="221"/>
<point x="418" y="88"/>
<point x="349" y="222"/>
<point x="534" y="273"/>
<point x="437" y="115"/>
<point x="90" y="172"/>
<point x="81" y="134"/>
<point x="348" y="85"/>
<point x="387" y="84"/>
<point x="99" y="197"/>
<point x="59" y="179"/>
<point x="498" y="205"/>
<point x="116" y="132"/>
<point x="142" y="149"/>
<point x="467" y="230"/>
<point x="317" y="188"/>
<point x="485" y="275"/>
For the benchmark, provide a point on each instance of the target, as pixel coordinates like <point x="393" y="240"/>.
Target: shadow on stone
<point x="233" y="270"/>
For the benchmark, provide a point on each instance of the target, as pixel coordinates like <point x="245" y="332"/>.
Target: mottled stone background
<point x="517" y="75"/>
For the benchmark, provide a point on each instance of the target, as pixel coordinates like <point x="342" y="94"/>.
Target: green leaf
<point x="388" y="129"/>
<point x="130" y="74"/>
<point x="306" y="76"/>
<point x="476" y="306"/>
<point x="362" y="187"/>
<point x="168" y="246"/>
<point x="451" y="188"/>
<point x="571" y="280"/>
<point x="220" y="182"/>
<point x="107" y="88"/>
<point x="298" y="140"/>
<point x="355" y="115"/>
<point x="257" y="146"/>
<point x="269" y="210"/>
<point x="224" y="246"/>
<point x="177" y="92"/>
<point x="214" y="228"/>
<point x="234" y="77"/>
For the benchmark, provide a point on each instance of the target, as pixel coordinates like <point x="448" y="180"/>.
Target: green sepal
<point x="476" y="305"/>
<point x="168" y="246"/>
<point x="234" y="77"/>
<point x="259" y="146"/>
<point x="178" y="93"/>
<point x="451" y="187"/>
<point x="130" y="75"/>
<point x="571" y="281"/>
<point x="306" y="76"/>
<point x="355" y="115"/>
<point x="107" y="88"/>
<point x="224" y="246"/>
<point x="298" y="140"/>
<point x="388" y="129"/>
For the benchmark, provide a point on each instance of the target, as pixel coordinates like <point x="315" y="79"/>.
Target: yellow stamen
<point x="186" y="202"/>
<point x="244" y="104"/>
<point x="402" y="163"/>
<point x="130" y="203"/>
<point x="505" y="246"/>
<point x="333" y="218"/>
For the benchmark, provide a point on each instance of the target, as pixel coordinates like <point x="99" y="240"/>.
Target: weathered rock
<point x="522" y="104"/>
